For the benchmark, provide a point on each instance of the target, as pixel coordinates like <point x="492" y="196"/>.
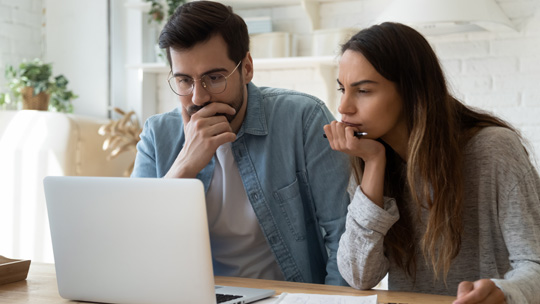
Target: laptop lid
<point x="132" y="240"/>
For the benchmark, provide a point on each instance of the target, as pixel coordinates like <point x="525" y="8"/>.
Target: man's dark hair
<point x="198" y="21"/>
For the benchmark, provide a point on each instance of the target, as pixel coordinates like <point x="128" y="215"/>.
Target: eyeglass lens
<point x="214" y="83"/>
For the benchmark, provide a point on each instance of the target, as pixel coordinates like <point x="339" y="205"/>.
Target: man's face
<point x="211" y="57"/>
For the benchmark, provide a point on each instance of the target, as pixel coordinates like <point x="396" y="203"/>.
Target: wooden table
<point x="40" y="287"/>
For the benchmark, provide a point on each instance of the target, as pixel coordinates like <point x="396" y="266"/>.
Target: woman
<point x="447" y="201"/>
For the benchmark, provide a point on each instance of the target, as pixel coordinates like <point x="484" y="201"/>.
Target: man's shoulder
<point x="162" y="120"/>
<point x="270" y="94"/>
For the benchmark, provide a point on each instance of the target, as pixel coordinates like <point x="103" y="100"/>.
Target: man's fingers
<point x="200" y="123"/>
<point x="185" y="117"/>
<point x="213" y="109"/>
<point x="224" y="137"/>
<point x="219" y="128"/>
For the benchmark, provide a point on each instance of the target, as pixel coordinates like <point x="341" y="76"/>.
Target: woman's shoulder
<point x="497" y="147"/>
<point x="495" y="138"/>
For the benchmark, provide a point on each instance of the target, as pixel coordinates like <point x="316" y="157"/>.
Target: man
<point x="276" y="192"/>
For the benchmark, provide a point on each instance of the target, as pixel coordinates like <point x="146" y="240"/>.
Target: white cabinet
<point x="311" y="7"/>
<point x="318" y="71"/>
<point x="140" y="39"/>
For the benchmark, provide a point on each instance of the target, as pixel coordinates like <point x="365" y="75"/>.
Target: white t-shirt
<point x="239" y="247"/>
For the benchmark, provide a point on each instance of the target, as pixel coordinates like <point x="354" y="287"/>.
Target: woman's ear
<point x="247" y="69"/>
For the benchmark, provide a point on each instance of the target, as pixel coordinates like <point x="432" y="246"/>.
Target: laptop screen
<point x="123" y="240"/>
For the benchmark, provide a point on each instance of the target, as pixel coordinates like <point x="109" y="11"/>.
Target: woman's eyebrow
<point x="361" y="82"/>
<point x="357" y="83"/>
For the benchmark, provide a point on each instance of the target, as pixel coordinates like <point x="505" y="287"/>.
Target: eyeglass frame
<point x="203" y="83"/>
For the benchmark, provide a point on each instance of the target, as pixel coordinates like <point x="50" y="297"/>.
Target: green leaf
<point x="37" y="74"/>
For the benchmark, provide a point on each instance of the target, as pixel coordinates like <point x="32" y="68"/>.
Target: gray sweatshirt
<point x="501" y="239"/>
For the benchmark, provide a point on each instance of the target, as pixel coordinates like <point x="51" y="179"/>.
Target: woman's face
<point x="369" y="102"/>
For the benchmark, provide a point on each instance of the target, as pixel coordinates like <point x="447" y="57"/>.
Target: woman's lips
<point x="350" y="124"/>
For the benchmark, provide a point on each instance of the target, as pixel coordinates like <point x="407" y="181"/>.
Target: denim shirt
<point x="295" y="182"/>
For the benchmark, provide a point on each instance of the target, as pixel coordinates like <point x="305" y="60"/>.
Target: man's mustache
<point x="194" y="108"/>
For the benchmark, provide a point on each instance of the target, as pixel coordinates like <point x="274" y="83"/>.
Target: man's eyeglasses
<point x="214" y="83"/>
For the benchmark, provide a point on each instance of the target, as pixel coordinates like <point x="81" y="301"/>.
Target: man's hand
<point x="481" y="291"/>
<point x="204" y="132"/>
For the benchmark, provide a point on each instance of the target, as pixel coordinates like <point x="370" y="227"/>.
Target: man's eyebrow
<point x="216" y="70"/>
<point x="357" y="83"/>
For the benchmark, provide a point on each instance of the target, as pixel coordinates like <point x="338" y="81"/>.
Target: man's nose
<point x="199" y="95"/>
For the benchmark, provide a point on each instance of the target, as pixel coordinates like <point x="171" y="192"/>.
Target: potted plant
<point x="161" y="10"/>
<point x="33" y="85"/>
<point x="157" y="9"/>
<point x="2" y="99"/>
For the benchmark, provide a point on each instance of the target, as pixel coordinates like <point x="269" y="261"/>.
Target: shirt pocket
<point x="292" y="209"/>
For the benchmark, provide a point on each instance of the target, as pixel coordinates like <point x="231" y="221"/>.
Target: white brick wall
<point x="21" y="34"/>
<point x="498" y="72"/>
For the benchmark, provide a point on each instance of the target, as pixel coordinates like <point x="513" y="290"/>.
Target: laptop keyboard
<point x="225" y="297"/>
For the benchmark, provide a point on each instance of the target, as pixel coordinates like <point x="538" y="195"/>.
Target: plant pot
<point x="34" y="102"/>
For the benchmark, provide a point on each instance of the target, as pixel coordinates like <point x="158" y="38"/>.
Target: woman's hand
<point x="481" y="291"/>
<point x="341" y="138"/>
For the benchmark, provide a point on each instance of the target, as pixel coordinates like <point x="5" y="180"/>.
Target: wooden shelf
<point x="138" y="5"/>
<point x="254" y="4"/>
<point x="311" y="7"/>
<point x="236" y="4"/>
<point x="294" y="62"/>
<point x="142" y="76"/>
<point x="260" y="63"/>
<point x="152" y="67"/>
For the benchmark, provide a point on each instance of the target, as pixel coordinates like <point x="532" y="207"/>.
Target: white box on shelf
<point x="270" y="45"/>
<point x="327" y="42"/>
<point x="258" y="25"/>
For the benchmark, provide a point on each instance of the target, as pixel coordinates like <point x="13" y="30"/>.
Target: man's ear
<point x="247" y="68"/>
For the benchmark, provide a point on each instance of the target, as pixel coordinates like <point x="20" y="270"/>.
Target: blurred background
<point x="107" y="50"/>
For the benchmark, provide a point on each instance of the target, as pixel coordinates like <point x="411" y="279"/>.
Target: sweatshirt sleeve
<point x="510" y="187"/>
<point x="361" y="258"/>
<point x="519" y="217"/>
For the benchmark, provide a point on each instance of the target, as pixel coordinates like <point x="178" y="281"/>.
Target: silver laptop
<point x="134" y="240"/>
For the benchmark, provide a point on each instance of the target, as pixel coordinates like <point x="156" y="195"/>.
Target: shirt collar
<point x="255" y="119"/>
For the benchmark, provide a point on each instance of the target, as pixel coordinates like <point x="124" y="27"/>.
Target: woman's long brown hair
<point x="439" y="126"/>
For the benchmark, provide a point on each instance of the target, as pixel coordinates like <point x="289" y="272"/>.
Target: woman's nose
<point x="346" y="105"/>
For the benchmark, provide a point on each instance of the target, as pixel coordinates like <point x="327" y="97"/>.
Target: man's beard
<point x="236" y="104"/>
